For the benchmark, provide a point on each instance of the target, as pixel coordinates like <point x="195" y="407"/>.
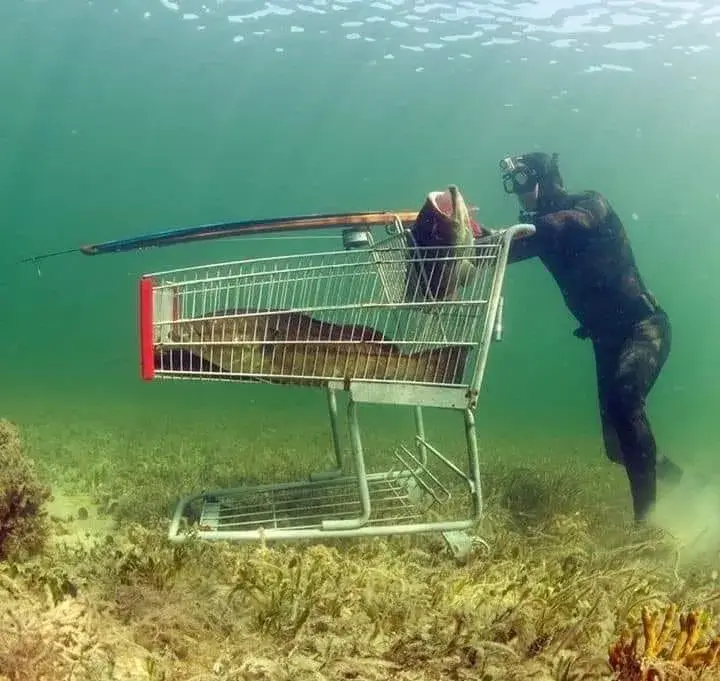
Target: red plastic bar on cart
<point x="146" y="318"/>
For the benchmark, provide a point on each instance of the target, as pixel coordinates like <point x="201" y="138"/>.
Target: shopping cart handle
<point x="521" y="231"/>
<point x="499" y="319"/>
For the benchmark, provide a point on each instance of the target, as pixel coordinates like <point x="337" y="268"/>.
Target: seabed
<point x="91" y="588"/>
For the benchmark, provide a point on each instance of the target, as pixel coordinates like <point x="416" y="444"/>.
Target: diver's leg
<point x="640" y="449"/>
<point x="638" y="365"/>
<point x="657" y="331"/>
<point x="605" y="363"/>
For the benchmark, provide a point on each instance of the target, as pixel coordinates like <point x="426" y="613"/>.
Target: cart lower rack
<point x="385" y="322"/>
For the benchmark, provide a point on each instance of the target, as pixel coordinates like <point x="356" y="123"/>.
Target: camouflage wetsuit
<point x="583" y="244"/>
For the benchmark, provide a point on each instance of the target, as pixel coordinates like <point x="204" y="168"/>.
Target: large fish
<point x="290" y="347"/>
<point x="445" y="233"/>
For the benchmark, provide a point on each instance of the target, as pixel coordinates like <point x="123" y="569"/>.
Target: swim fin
<point x="668" y="471"/>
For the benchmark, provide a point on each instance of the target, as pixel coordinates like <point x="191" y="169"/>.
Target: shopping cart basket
<point x="371" y="320"/>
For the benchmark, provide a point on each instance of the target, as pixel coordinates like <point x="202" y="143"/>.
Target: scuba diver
<point x="583" y="244"/>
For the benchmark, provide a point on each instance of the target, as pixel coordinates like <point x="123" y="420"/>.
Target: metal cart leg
<point x="335" y="431"/>
<point x="473" y="463"/>
<point x="332" y="407"/>
<point x="460" y="542"/>
<point x="420" y="430"/>
<point x="362" y="479"/>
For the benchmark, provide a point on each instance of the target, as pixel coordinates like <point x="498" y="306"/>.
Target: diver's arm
<point x="521" y="247"/>
<point x="586" y="215"/>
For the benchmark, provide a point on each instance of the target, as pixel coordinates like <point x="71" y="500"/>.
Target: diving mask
<point x="518" y="178"/>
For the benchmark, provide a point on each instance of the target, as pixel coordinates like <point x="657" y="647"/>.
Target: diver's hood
<point x="546" y="169"/>
<point x="538" y="167"/>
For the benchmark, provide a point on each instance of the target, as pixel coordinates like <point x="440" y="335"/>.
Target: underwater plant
<point x="23" y="518"/>
<point x="669" y="651"/>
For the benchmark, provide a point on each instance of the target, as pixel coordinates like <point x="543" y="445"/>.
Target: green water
<point x="122" y="117"/>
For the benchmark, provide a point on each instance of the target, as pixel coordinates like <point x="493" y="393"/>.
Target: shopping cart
<point x="384" y="321"/>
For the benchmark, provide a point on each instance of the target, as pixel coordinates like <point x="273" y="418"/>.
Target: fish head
<point x="445" y="219"/>
<point x="444" y="227"/>
<point x="459" y="214"/>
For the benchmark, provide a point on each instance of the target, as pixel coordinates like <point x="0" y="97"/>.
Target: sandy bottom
<point x="564" y="578"/>
<point x="78" y="521"/>
<point x="110" y="600"/>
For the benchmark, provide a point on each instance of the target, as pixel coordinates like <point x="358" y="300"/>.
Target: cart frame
<point x="343" y="501"/>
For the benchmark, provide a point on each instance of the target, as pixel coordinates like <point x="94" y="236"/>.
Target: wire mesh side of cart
<point x="392" y="312"/>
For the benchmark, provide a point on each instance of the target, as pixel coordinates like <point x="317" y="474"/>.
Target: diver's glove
<point x="582" y="333"/>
